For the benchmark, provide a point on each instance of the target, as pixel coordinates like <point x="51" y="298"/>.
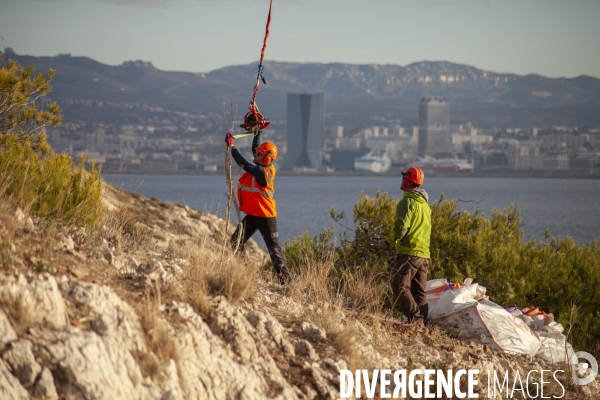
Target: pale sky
<point x="554" y="38"/>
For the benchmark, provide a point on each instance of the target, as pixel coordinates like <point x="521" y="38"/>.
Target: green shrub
<point x="32" y="176"/>
<point x="20" y="98"/>
<point x="47" y="184"/>
<point x="306" y="248"/>
<point x="554" y="274"/>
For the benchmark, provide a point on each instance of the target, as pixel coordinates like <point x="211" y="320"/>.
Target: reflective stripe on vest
<point x="255" y="199"/>
<point x="254" y="188"/>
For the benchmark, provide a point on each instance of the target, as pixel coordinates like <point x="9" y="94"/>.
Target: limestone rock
<point x="66" y="243"/>
<point x="336" y="366"/>
<point x="371" y="356"/>
<point x="7" y="333"/>
<point x="21" y="362"/>
<point x="114" y="320"/>
<point x="304" y="348"/>
<point x="44" y="387"/>
<point x="271" y="332"/>
<point x="324" y="386"/>
<point x="310" y="393"/>
<point x="224" y="371"/>
<point x="313" y="332"/>
<point x="91" y="368"/>
<point x="29" y="225"/>
<point x="235" y="331"/>
<point x="39" y="297"/>
<point x="20" y="215"/>
<point x="10" y="388"/>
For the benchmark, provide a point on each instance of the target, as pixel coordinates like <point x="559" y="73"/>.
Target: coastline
<point x="482" y="174"/>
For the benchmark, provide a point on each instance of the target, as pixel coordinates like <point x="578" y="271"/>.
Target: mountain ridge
<point x="391" y="91"/>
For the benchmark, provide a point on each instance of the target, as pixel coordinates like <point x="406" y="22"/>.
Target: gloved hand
<point x="229" y="139"/>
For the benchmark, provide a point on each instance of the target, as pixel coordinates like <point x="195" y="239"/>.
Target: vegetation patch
<point x="554" y="274"/>
<point x="32" y="176"/>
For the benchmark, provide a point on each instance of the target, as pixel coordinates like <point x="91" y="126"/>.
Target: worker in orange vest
<point x="255" y="197"/>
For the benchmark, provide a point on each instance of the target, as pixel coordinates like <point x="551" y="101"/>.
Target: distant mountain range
<point x="354" y="94"/>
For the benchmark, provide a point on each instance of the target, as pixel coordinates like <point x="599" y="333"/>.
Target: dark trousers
<point x="268" y="229"/>
<point x="409" y="277"/>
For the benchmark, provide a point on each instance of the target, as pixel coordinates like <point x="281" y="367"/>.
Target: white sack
<point x="458" y="312"/>
<point x="555" y="349"/>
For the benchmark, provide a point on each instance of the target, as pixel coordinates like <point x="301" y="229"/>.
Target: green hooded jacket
<point x="412" y="228"/>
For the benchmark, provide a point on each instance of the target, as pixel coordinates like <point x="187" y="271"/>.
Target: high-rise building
<point x="304" y="130"/>
<point x="434" y="120"/>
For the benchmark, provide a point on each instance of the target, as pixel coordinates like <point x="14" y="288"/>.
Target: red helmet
<point x="269" y="150"/>
<point x="413" y="175"/>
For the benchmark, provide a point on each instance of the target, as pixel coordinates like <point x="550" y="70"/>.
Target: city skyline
<point x="521" y="37"/>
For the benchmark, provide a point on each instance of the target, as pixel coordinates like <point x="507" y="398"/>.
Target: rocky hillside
<point x="153" y="306"/>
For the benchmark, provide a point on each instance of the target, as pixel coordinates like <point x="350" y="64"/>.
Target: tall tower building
<point x="304" y="130"/>
<point x="434" y="120"/>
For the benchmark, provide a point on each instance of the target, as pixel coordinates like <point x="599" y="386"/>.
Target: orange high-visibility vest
<point x="255" y="199"/>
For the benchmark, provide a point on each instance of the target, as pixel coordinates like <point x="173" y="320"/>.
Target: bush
<point x="20" y="96"/>
<point x="554" y="274"/>
<point x="32" y="176"/>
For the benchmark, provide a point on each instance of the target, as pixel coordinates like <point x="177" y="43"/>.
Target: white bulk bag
<point x="484" y="321"/>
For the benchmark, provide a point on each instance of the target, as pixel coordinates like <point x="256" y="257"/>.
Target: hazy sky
<point x="555" y="38"/>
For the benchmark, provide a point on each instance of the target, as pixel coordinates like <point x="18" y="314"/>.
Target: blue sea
<point x="567" y="207"/>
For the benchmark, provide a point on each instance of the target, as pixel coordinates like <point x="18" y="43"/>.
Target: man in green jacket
<point x="410" y="238"/>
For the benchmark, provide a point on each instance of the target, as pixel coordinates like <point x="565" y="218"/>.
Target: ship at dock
<point x="431" y="165"/>
<point x="374" y="161"/>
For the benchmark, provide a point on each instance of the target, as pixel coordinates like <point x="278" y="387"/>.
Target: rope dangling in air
<point x="254" y="120"/>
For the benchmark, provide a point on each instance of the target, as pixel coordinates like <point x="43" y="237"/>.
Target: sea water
<point x="566" y="207"/>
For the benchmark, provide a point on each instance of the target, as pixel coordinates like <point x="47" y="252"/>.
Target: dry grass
<point x="8" y="227"/>
<point x="207" y="274"/>
<point x="17" y="312"/>
<point x="124" y="231"/>
<point x="327" y="295"/>
<point x="364" y="292"/>
<point x="11" y="199"/>
<point x="161" y="345"/>
<point x="314" y="281"/>
<point x="322" y="278"/>
<point x="343" y="337"/>
<point x="345" y="342"/>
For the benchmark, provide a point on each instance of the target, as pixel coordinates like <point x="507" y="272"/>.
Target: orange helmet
<point x="413" y="175"/>
<point x="269" y="150"/>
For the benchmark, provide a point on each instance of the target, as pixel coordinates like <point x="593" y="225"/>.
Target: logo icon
<point x="582" y="367"/>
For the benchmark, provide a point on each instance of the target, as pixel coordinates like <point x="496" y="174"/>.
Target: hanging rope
<point x="262" y="55"/>
<point x="254" y="120"/>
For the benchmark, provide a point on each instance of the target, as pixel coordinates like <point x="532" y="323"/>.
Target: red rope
<point x="262" y="53"/>
<point x="262" y="56"/>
